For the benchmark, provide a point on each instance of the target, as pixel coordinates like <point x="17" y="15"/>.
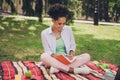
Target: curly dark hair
<point x="58" y="10"/>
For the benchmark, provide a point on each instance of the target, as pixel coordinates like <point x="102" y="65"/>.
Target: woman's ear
<point x="53" y="20"/>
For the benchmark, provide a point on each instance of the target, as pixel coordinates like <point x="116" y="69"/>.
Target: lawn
<point x="20" y="39"/>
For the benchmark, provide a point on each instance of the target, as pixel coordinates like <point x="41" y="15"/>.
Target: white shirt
<point x="49" y="40"/>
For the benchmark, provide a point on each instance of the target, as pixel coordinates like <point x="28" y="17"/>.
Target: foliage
<point x="88" y="8"/>
<point x="75" y="6"/>
<point x="51" y="2"/>
<point x="10" y="2"/>
<point x="39" y="9"/>
<point x="104" y="10"/>
<point x="116" y="10"/>
<point x="1" y="1"/>
<point x="27" y="8"/>
<point x="70" y="18"/>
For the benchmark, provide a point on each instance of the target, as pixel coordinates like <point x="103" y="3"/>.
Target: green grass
<point x="20" y="40"/>
<point x="101" y="42"/>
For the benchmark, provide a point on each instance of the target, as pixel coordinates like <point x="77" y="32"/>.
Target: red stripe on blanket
<point x="95" y="67"/>
<point x="64" y="76"/>
<point x="92" y="77"/>
<point x="34" y="69"/>
<point x="8" y="70"/>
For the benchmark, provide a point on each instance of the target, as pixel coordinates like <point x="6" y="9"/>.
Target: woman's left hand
<point x="70" y="56"/>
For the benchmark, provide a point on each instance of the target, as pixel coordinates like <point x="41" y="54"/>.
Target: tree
<point x="75" y="6"/>
<point x="106" y="8"/>
<point x="116" y="10"/>
<point x="1" y="2"/>
<point x="88" y="8"/>
<point x="39" y="9"/>
<point x="96" y="13"/>
<point x="27" y="8"/>
<point x="58" y="1"/>
<point x="54" y="1"/>
<point x="10" y="2"/>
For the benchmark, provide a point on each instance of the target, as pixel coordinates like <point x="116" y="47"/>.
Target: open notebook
<point x="64" y="59"/>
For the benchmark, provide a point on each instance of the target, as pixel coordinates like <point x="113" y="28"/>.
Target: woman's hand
<point x="70" y="56"/>
<point x="52" y="55"/>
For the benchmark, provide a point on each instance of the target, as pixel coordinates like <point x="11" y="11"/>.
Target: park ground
<point x="20" y="39"/>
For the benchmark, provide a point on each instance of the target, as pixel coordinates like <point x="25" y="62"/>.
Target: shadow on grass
<point x="11" y="57"/>
<point x="8" y="57"/>
<point x="10" y="24"/>
<point x="20" y="37"/>
<point x="107" y="50"/>
<point x="31" y="58"/>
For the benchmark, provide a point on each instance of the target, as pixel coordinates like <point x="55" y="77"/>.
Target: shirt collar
<point x="50" y="29"/>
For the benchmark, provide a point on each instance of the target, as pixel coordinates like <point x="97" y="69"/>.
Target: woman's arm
<point x="72" y="42"/>
<point x="70" y="55"/>
<point x="45" y="43"/>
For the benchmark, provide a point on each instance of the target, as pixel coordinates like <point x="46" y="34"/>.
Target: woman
<point x="58" y="39"/>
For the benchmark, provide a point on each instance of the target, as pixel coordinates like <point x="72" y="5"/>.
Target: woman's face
<point x="59" y="24"/>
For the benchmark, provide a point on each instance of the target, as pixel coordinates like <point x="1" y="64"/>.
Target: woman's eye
<point x="59" y="23"/>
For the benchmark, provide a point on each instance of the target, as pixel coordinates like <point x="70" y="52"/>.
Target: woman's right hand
<point x="70" y="57"/>
<point x="52" y="55"/>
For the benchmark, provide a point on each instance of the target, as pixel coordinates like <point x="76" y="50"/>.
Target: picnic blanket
<point x="9" y="70"/>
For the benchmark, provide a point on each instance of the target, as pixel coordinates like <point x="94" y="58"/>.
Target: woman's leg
<point x="80" y="60"/>
<point x="50" y="61"/>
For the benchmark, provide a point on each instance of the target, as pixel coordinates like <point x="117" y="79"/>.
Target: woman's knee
<point x="86" y="56"/>
<point x="43" y="56"/>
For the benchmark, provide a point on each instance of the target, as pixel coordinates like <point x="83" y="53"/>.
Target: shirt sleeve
<point x="72" y="41"/>
<point x="68" y="38"/>
<point x="45" y="43"/>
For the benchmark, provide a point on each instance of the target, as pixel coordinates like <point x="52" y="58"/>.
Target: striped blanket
<point x="9" y="70"/>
